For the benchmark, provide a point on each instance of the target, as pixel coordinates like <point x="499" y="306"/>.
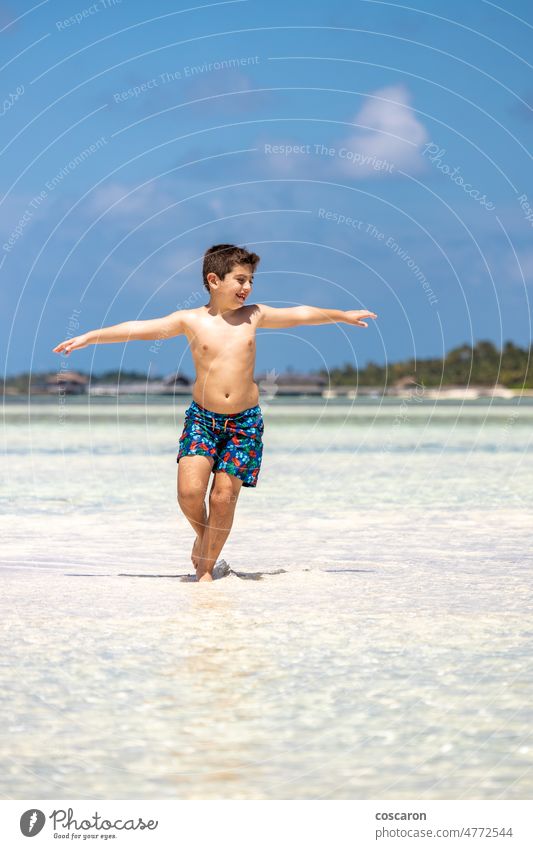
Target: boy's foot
<point x="195" y="553"/>
<point x="207" y="576"/>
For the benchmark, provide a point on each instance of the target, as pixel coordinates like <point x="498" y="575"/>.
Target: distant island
<point x="467" y="371"/>
<point x="481" y="365"/>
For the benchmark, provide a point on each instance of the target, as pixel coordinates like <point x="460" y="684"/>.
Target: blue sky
<point x="374" y="154"/>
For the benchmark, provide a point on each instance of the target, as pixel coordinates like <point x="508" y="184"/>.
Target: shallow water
<point x="391" y="658"/>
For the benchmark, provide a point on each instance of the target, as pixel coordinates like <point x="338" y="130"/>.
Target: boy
<point x="223" y="426"/>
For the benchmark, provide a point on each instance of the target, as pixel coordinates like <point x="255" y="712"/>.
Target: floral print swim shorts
<point x="235" y="441"/>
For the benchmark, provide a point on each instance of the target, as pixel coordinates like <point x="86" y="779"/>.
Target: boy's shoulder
<point x="192" y="311"/>
<point x="191" y="314"/>
<point x="253" y="312"/>
<point x="258" y="312"/>
<point x="255" y="309"/>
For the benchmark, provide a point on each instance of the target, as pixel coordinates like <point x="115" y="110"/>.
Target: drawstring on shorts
<point x="225" y="423"/>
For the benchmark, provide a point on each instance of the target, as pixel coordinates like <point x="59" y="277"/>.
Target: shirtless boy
<point x="223" y="426"/>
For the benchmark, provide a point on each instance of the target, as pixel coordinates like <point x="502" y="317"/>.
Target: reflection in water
<point x="216" y="673"/>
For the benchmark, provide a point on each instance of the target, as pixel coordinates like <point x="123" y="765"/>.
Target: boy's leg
<point x="222" y="502"/>
<point x="193" y="477"/>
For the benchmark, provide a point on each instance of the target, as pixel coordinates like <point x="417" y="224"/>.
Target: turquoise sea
<point x="390" y="659"/>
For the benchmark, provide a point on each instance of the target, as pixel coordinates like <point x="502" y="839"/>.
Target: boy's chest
<point x="213" y="341"/>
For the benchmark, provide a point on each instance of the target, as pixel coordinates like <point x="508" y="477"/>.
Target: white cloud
<point x="395" y="135"/>
<point x="389" y="138"/>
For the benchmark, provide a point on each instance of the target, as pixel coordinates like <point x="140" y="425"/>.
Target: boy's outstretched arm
<point x="154" y="328"/>
<point x="275" y="317"/>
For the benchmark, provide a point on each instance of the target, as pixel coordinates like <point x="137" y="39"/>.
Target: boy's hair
<point x="221" y="259"/>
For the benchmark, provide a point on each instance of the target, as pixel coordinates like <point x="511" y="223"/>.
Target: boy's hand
<point x="72" y="344"/>
<point x="355" y="316"/>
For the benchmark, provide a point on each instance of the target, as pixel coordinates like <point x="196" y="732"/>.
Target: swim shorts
<point x="235" y="441"/>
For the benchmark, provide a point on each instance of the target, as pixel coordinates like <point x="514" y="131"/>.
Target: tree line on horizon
<point x="481" y="364"/>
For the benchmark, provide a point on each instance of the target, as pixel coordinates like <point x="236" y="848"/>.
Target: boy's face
<point x="236" y="285"/>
